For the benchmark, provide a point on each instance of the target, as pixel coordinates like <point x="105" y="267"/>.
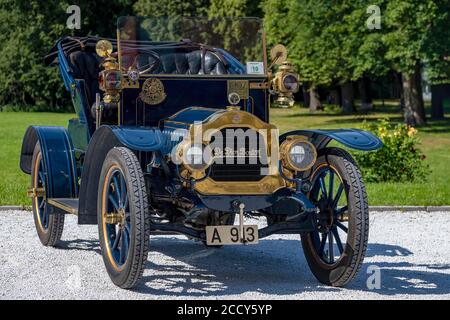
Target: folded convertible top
<point x="72" y="44"/>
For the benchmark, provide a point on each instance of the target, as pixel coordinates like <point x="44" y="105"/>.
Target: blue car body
<point x="74" y="156"/>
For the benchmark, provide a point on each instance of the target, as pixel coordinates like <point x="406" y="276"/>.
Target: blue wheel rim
<point x="118" y="235"/>
<point x="41" y="204"/>
<point x="329" y="195"/>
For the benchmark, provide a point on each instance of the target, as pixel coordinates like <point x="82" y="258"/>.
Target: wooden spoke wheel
<point x="335" y="251"/>
<point x="49" y="227"/>
<point x="124" y="225"/>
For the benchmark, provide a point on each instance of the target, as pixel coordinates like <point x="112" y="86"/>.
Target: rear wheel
<point x="49" y="227"/>
<point x="123" y="218"/>
<point x="335" y="251"/>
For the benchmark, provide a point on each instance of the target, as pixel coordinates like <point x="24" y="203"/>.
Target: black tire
<point x="341" y="271"/>
<point x="49" y="227"/>
<point x="123" y="161"/>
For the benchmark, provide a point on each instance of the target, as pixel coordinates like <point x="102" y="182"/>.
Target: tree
<point x="29" y="29"/>
<point x="240" y="37"/>
<point x="276" y="24"/>
<point x="234" y="8"/>
<point x="171" y="8"/>
<point x="26" y="34"/>
<point x="412" y="25"/>
<point x="438" y="94"/>
<point x="304" y="28"/>
<point x="412" y="32"/>
<point x="329" y="42"/>
<point x="438" y="60"/>
<point x="363" y="49"/>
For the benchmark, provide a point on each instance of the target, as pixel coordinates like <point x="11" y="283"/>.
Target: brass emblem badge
<point x="241" y="87"/>
<point x="153" y="92"/>
<point x="236" y="118"/>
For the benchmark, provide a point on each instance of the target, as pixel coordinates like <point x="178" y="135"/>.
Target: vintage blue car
<point x="172" y="135"/>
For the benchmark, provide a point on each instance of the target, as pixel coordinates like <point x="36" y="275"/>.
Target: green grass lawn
<point x="435" y="143"/>
<point x="435" y="139"/>
<point x="13" y="182"/>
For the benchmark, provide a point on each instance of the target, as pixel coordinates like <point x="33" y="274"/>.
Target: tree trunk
<point x="437" y="101"/>
<point x="412" y="91"/>
<point x="335" y="97"/>
<point x="348" y="97"/>
<point x="364" y="91"/>
<point x="399" y="79"/>
<point x="305" y="95"/>
<point x="314" y="100"/>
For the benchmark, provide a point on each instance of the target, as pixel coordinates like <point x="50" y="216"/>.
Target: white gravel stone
<point x="411" y="249"/>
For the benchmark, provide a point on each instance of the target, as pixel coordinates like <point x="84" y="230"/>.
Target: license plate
<point x="229" y="235"/>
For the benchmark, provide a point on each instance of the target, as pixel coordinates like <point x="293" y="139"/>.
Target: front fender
<point x="59" y="160"/>
<point x="104" y="139"/>
<point x="352" y="138"/>
<point x="139" y="139"/>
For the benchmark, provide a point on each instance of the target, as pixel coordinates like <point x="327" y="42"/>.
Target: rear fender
<point x="351" y="138"/>
<point x="59" y="160"/>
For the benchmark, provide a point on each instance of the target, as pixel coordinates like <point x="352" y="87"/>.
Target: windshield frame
<point x="262" y="39"/>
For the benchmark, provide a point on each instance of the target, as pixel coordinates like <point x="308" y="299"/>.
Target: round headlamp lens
<point x="194" y="155"/>
<point x="197" y="157"/>
<point x="297" y="154"/>
<point x="113" y="80"/>
<point x="302" y="155"/>
<point x="290" y="83"/>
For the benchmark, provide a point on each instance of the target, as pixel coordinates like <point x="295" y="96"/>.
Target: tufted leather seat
<point x="86" y="66"/>
<point x="194" y="62"/>
<point x="189" y="63"/>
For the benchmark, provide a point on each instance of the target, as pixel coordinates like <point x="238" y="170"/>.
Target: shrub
<point x="332" y="108"/>
<point x="399" y="160"/>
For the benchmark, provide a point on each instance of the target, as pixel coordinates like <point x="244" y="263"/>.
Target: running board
<point x="69" y="205"/>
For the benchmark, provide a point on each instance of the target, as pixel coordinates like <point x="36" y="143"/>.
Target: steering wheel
<point x="134" y="54"/>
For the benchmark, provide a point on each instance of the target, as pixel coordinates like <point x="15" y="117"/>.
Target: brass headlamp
<point x="297" y="153"/>
<point x="111" y="76"/>
<point x="285" y="82"/>
<point x="196" y="158"/>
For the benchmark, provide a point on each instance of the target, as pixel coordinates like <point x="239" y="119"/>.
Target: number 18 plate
<point x="229" y="235"/>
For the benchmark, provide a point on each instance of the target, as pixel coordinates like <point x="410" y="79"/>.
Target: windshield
<point x="192" y="45"/>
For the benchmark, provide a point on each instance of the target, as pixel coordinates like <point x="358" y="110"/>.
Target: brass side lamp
<point x="285" y="82"/>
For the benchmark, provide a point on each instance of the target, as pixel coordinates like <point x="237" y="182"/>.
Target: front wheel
<point x="123" y="218"/>
<point x="335" y="250"/>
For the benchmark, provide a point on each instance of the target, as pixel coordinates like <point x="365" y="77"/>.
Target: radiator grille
<point x="238" y="157"/>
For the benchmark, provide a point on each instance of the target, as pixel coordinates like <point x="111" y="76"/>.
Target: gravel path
<point x="411" y="250"/>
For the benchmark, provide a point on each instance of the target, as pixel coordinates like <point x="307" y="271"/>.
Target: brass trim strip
<point x="268" y="185"/>
<point x="264" y="43"/>
<point x="62" y="206"/>
<point x="119" y="49"/>
<point x="119" y="55"/>
<point x="259" y="85"/>
<point x="35" y="192"/>
<point x="206" y="76"/>
<point x="237" y="119"/>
